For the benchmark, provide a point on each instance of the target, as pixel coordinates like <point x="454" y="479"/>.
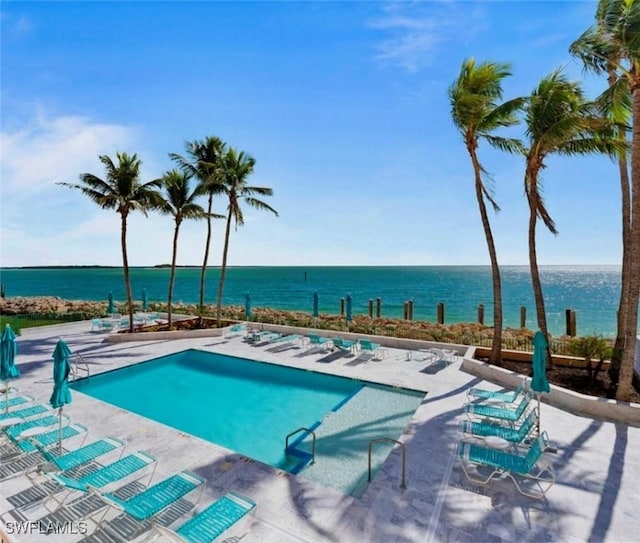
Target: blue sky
<point x="343" y="105"/>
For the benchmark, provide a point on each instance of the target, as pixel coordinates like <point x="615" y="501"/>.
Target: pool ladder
<point x="404" y="457"/>
<point x="313" y="445"/>
<point x="79" y="364"/>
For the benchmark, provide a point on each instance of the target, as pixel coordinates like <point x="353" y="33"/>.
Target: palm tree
<point x="612" y="46"/>
<point x="204" y="164"/>
<point x="476" y="115"/>
<point x="235" y="170"/>
<point x="178" y="201"/>
<point x="122" y="191"/>
<point x="561" y="121"/>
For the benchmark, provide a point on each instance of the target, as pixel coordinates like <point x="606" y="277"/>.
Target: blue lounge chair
<point x="47" y="459"/>
<point x="236" y="330"/>
<point x="13" y="431"/>
<point x="16" y="400"/>
<point x="115" y="472"/>
<point x="514" y="435"/>
<point x="496" y="396"/>
<point x="287" y="338"/>
<point x="318" y="341"/>
<point x="43" y="440"/>
<point x="229" y="517"/>
<point x="530" y="467"/>
<point x="26" y="412"/>
<point x="499" y="412"/>
<point x="344" y="344"/>
<point x="154" y="499"/>
<point x="370" y="347"/>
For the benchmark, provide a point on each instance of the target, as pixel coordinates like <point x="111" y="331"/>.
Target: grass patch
<point x="17" y="322"/>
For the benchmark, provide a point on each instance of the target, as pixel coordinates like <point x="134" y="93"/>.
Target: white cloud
<point x="415" y="31"/>
<point x="54" y="149"/>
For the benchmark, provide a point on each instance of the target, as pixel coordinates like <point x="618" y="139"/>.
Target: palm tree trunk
<point x="125" y="268"/>
<point x="203" y="272"/>
<point x="173" y="272"/>
<point x="626" y="366"/>
<point x="623" y="307"/>
<point x="496" y="345"/>
<point x="223" y="269"/>
<point x="541" y="314"/>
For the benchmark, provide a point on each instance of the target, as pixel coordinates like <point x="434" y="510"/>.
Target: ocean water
<point x="591" y="291"/>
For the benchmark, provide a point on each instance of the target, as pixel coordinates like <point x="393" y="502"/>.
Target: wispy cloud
<point x="49" y="149"/>
<point x="415" y="31"/>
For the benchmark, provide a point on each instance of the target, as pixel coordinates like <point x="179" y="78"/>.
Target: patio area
<point x="595" y="496"/>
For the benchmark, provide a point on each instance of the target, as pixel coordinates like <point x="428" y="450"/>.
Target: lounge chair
<point x="115" y="472"/>
<point x="16" y="400"/>
<point x="514" y="435"/>
<point x="315" y="340"/>
<point x="146" y="504"/>
<point x="498" y="412"/>
<point x="287" y="338"/>
<point x="531" y="467"/>
<point x="45" y="439"/>
<point x="47" y="460"/>
<point x="235" y="330"/>
<point x="496" y="396"/>
<point x="13" y="431"/>
<point x="344" y="344"/>
<point x="227" y="518"/>
<point x="370" y="347"/>
<point x="443" y="354"/>
<point x="26" y="412"/>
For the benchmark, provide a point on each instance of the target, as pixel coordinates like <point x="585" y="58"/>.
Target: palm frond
<point x="508" y="145"/>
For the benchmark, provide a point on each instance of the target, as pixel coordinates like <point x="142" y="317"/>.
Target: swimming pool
<point x="250" y="407"/>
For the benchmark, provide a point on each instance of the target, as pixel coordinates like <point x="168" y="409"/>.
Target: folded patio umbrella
<point x="144" y="299"/>
<point x="61" y="394"/>
<point x="539" y="381"/>
<point x="111" y="309"/>
<point x="8" y="354"/>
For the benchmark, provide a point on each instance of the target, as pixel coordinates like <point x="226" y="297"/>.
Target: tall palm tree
<point x="236" y="169"/>
<point x="561" y="121"/>
<point x="203" y="163"/>
<point x="120" y="190"/>
<point x="179" y="200"/>
<point x="612" y="46"/>
<point x="476" y="114"/>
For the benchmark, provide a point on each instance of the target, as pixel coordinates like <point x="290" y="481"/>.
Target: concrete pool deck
<point x="596" y="496"/>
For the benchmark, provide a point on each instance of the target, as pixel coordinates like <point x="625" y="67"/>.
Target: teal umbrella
<point x="144" y="299"/>
<point x="8" y="354"/>
<point x="111" y="309"/>
<point x="247" y="306"/>
<point x="539" y="381"/>
<point x="349" y="315"/>
<point x="61" y="394"/>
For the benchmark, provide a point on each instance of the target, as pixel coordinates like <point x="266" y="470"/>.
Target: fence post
<point x="378" y="307"/>
<point x="440" y="316"/>
<point x="523" y="317"/>
<point x="481" y="314"/>
<point x="370" y="308"/>
<point x="342" y="307"/>
<point x="570" y="316"/>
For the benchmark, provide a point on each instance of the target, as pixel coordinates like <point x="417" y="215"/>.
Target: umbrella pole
<point x="60" y="430"/>
<point x="538" y="423"/>
<point x="6" y="396"/>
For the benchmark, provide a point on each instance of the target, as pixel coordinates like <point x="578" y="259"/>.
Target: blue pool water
<point x="250" y="407"/>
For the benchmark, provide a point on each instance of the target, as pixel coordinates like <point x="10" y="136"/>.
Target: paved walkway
<point x="596" y="496"/>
